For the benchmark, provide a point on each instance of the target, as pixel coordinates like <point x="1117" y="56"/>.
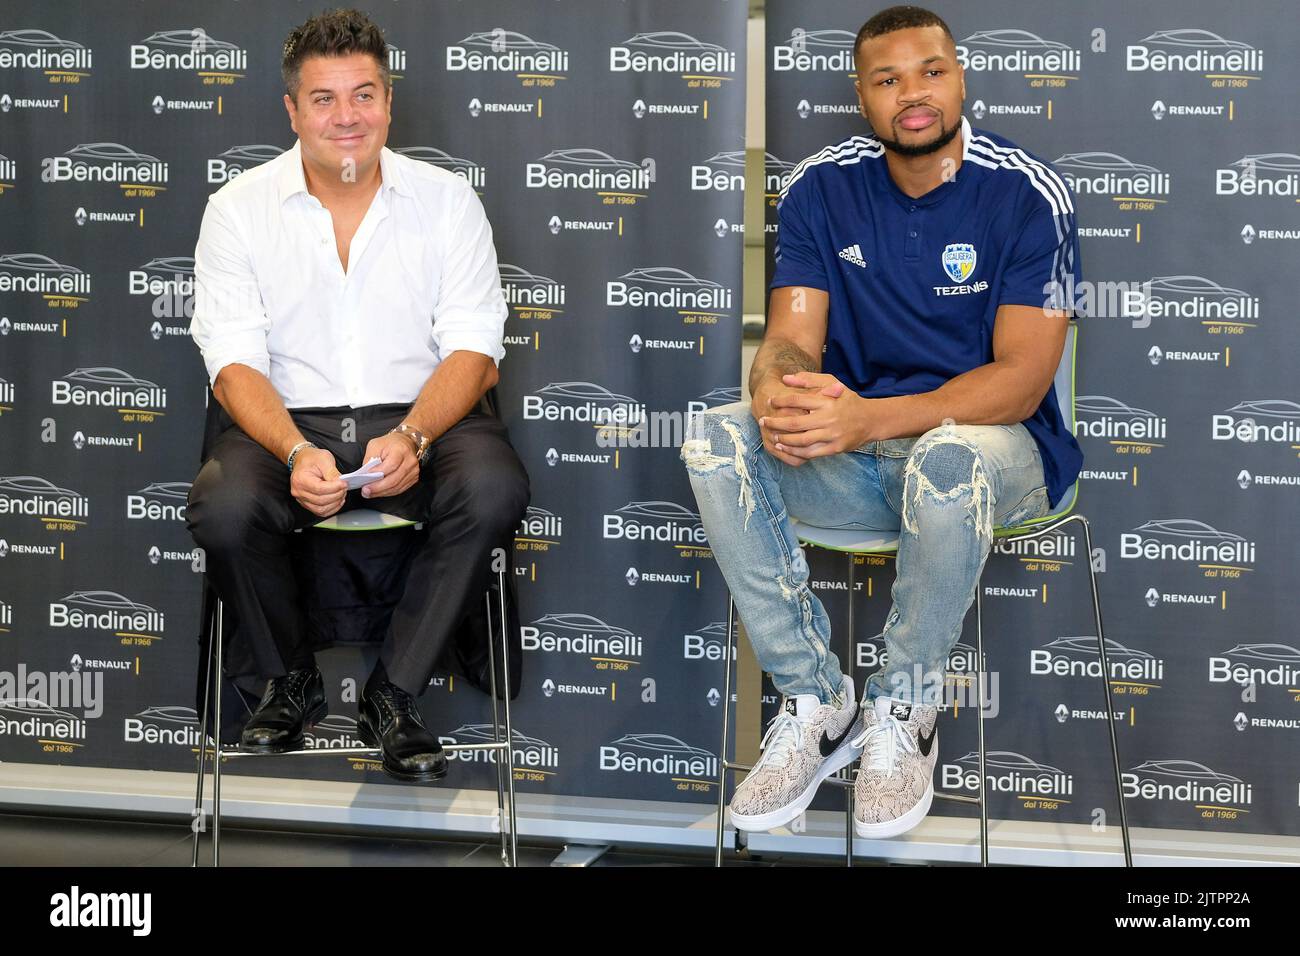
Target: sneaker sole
<point x="838" y="760"/>
<point x="899" y="825"/>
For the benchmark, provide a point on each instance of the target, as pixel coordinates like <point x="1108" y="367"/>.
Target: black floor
<point x="27" y="840"/>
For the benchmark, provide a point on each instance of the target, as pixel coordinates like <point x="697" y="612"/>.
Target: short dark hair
<point x="899" y="18"/>
<point x="333" y="33"/>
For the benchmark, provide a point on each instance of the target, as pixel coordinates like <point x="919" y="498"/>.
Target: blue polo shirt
<point x="915" y="284"/>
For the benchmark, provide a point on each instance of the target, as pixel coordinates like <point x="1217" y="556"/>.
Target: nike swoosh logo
<point x="828" y="744"/>
<point x="926" y="743"/>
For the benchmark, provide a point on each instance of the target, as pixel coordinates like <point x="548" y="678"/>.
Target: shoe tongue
<point x="801" y="705"/>
<point x="893" y="707"/>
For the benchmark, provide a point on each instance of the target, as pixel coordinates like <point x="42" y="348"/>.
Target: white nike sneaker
<point x="895" y="784"/>
<point x="805" y="743"/>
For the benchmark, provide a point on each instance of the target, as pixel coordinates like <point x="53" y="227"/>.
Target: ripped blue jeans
<point x="943" y="492"/>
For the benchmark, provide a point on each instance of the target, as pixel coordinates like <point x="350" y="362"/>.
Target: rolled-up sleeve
<point x="230" y="323"/>
<point x="470" y="312"/>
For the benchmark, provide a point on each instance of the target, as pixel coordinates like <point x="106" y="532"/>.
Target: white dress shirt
<point x="271" y="293"/>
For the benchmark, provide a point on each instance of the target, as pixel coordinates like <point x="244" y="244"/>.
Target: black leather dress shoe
<point x="388" y="718"/>
<point x="290" y="702"/>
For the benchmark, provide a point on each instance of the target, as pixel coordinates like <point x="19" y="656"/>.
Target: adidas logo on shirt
<point x="853" y="254"/>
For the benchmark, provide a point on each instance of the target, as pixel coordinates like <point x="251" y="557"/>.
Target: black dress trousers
<point x="472" y="494"/>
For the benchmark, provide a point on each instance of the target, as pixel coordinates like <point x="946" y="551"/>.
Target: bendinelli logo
<point x="1009" y="772"/>
<point x="666" y="287"/>
<point x="104" y="163"/>
<point x="7" y="394"/>
<point x="815" y="51"/>
<point x="584" y="402"/>
<point x="872" y="653"/>
<point x="1019" y="51"/>
<point x="608" y="646"/>
<point x="333" y="732"/>
<point x="539" y="530"/>
<point x="1190" y="297"/>
<point x="1188" y="540"/>
<point x="107" y="611"/>
<point x="396" y="60"/>
<point x="1187" y="782"/>
<point x="668" y="51"/>
<point x="1274" y="420"/>
<point x="1133" y="185"/>
<point x="1257" y="665"/>
<point x="534" y="62"/>
<point x="593" y="170"/>
<point x="722" y="172"/>
<point x="191" y="50"/>
<point x="6" y="616"/>
<point x="979" y="109"/>
<point x="1190" y="50"/>
<point x="1260" y="174"/>
<point x="57" y="729"/>
<point x="660" y="755"/>
<point x="104" y="387"/>
<point x="8" y="173"/>
<point x="1079" y="657"/>
<point x="238" y="160"/>
<point x="35" y="496"/>
<point x="63" y="61"/>
<point x="159" y="501"/>
<point x="466" y="169"/>
<point x="708" y="643"/>
<point x="530" y="294"/>
<point x="41" y="275"/>
<point x="170" y="282"/>
<point x="532" y="755"/>
<point x="663" y="521"/>
<point x="1124" y="426"/>
<point x="1048" y="547"/>
<point x="171" y="726"/>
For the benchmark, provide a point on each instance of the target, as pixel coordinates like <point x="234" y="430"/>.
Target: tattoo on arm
<point x="782" y="356"/>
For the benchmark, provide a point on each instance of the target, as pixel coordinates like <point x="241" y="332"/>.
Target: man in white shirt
<point x="340" y="283"/>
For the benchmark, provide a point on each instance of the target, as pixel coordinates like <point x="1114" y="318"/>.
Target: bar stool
<point x="853" y="543"/>
<point x="356" y="521"/>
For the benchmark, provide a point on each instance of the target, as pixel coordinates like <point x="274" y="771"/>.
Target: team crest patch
<point x="959" y="260"/>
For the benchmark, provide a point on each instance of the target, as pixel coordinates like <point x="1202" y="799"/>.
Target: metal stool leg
<point x="847" y="772"/>
<point x="510" y="733"/>
<point x="727" y="663"/>
<point x="197" y="820"/>
<point x="980" y="693"/>
<point x="1105" y="682"/>
<point x="216" y="740"/>
<point x="496" y="733"/>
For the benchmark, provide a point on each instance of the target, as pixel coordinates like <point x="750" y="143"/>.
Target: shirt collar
<point x="294" y="181"/>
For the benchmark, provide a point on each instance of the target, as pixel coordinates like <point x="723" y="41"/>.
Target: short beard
<point x="920" y="149"/>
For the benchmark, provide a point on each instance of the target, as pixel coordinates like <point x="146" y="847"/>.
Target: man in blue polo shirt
<point x="917" y="317"/>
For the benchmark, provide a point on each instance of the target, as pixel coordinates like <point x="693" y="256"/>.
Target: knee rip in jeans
<point x="701" y="462"/>
<point x="918" y="483"/>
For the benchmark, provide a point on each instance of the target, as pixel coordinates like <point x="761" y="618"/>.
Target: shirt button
<point x="912" y="234"/>
<point x="911" y="209"/>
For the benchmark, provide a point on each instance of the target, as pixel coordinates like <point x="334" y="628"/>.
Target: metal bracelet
<point x="293" y="455"/>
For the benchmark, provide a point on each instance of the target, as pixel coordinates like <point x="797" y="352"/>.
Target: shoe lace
<point x="396" y="702"/>
<point x="293" y="683"/>
<point x="784" y="734"/>
<point x="883" y="743"/>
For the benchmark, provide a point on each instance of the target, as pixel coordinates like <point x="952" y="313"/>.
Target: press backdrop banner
<point x="1170" y="123"/>
<point x="606" y="142"/>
